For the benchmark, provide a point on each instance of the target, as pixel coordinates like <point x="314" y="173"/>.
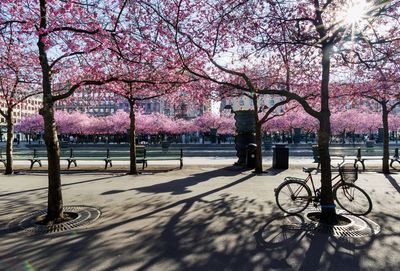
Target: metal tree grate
<point x="27" y="223"/>
<point x="358" y="226"/>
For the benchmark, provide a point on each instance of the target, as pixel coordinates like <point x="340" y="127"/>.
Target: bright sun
<point x="354" y="12"/>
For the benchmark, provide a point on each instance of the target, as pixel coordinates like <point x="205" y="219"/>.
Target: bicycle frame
<point x="314" y="190"/>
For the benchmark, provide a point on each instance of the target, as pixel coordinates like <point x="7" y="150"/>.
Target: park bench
<point x="143" y="155"/>
<point x="334" y="156"/>
<point x="34" y="156"/>
<point x="361" y="159"/>
<point x="19" y="155"/>
<point x="87" y="154"/>
<point x="108" y="155"/>
<point x="37" y="155"/>
<point x="124" y="155"/>
<point x="73" y="155"/>
<point x="165" y="155"/>
<point x="395" y="157"/>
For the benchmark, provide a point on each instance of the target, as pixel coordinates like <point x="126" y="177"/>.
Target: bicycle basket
<point x="348" y="173"/>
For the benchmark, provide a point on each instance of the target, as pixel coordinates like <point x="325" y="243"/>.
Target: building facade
<point x="243" y="103"/>
<point x="108" y="103"/>
<point x="28" y="107"/>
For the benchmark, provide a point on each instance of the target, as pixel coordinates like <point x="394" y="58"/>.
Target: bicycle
<point x="294" y="194"/>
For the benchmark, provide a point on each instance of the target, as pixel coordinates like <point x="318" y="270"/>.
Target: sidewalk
<point x="204" y="217"/>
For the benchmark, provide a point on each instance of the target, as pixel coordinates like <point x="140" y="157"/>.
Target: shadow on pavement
<point x="393" y="182"/>
<point x="176" y="187"/>
<point x="63" y="185"/>
<point x="319" y="251"/>
<point x="194" y="233"/>
<point x="211" y="230"/>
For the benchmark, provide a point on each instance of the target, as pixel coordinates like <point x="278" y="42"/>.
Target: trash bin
<point x="280" y="156"/>
<point x="251" y="155"/>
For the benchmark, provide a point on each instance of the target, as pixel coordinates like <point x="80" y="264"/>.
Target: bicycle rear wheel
<point x="352" y="199"/>
<point x="293" y="196"/>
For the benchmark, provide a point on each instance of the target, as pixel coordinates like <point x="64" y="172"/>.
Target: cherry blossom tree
<point x="296" y="118"/>
<point x="223" y="123"/>
<point x="227" y="124"/>
<point x="380" y="72"/>
<point x="72" y="123"/>
<point x="69" y="38"/>
<point x="119" y="122"/>
<point x="208" y="121"/>
<point x="368" y="122"/>
<point x="134" y="91"/>
<point x="346" y="121"/>
<point x="18" y="82"/>
<point x="30" y="124"/>
<point x="297" y="41"/>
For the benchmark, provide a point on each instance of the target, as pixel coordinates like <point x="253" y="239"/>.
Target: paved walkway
<point x="204" y="217"/>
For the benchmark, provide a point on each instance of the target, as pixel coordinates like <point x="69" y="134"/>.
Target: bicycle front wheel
<point x="352" y="199"/>
<point x="293" y="196"/>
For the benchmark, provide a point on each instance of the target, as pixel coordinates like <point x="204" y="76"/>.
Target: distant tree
<point x="18" y="82"/>
<point x="30" y="124"/>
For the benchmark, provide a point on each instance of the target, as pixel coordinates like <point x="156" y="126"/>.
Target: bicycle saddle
<point x="309" y="170"/>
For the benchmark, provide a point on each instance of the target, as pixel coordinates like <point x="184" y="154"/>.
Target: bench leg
<point x="33" y="161"/>
<point x="4" y="162"/>
<point x="108" y="162"/>
<point x="70" y="161"/>
<point x="143" y="164"/>
<point x="356" y="161"/>
<point x="181" y="165"/>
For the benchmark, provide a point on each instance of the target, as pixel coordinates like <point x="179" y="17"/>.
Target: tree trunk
<point x="328" y="212"/>
<point x="132" y="139"/>
<point x="385" y="161"/>
<point x="54" y="199"/>
<point x="344" y="137"/>
<point x="258" y="165"/>
<point x="10" y="139"/>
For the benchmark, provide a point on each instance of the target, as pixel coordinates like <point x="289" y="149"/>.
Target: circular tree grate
<point x="83" y="215"/>
<point x="359" y="226"/>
